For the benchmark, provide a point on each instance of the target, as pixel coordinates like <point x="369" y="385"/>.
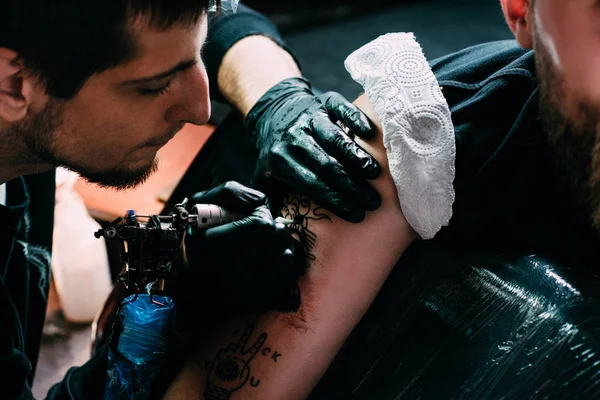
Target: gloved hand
<point x="253" y="259"/>
<point x="300" y="145"/>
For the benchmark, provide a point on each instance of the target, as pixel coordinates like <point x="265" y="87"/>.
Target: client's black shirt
<point x="510" y="190"/>
<point x="503" y="303"/>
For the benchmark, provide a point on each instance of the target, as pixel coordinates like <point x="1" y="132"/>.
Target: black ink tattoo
<point x="230" y="370"/>
<point x="302" y="210"/>
<point x="275" y="356"/>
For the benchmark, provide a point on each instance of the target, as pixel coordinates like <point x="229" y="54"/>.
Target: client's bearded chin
<point x="575" y="139"/>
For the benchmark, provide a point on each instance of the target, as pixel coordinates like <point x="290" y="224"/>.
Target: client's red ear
<point x="519" y="16"/>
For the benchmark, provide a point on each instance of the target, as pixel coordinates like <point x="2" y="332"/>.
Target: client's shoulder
<point x="491" y="90"/>
<point x="477" y="66"/>
<point x="487" y="87"/>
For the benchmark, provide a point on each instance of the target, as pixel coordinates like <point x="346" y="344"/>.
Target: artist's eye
<point x="155" y="91"/>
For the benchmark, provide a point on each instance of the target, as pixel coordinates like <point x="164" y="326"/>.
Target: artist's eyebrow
<point x="182" y="66"/>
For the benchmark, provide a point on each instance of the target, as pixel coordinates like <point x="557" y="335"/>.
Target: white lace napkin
<point x="418" y="134"/>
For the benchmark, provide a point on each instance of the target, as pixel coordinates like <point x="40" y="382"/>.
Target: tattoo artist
<point x="98" y="88"/>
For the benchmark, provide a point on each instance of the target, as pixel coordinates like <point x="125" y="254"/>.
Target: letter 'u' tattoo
<point x="302" y="211"/>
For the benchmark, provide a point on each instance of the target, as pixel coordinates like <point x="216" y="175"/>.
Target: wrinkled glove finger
<point x="336" y="143"/>
<point x="232" y="196"/>
<point x="341" y="109"/>
<point x="329" y="170"/>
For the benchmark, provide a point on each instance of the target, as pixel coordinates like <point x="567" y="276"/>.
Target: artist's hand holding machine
<point x="225" y="236"/>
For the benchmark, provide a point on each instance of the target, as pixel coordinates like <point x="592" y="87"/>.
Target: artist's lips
<point x="161" y="141"/>
<point x="156" y="143"/>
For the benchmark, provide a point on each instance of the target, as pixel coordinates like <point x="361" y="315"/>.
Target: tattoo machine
<point x="145" y="322"/>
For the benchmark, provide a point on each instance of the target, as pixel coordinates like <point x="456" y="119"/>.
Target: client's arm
<point x="283" y="356"/>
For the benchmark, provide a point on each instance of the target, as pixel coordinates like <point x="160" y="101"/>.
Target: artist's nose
<point x="193" y="105"/>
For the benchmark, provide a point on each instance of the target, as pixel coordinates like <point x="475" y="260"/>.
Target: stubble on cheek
<point x="573" y="127"/>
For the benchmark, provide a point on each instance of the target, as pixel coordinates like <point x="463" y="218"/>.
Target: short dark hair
<point x="65" y="42"/>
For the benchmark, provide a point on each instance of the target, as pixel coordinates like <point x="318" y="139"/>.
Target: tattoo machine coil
<point x="154" y="242"/>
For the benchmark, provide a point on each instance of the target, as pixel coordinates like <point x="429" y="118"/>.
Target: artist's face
<point x="111" y="130"/>
<point x="566" y="41"/>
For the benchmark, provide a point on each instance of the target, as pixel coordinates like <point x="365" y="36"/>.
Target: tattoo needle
<point x="284" y="221"/>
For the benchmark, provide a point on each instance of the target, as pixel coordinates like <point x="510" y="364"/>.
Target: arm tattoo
<point x="302" y="211"/>
<point x="230" y="370"/>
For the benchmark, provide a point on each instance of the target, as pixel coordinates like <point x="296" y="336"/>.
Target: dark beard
<point x="574" y="139"/>
<point x="38" y="137"/>
<point x="119" y="179"/>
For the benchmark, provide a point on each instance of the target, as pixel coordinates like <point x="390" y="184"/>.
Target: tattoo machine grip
<point x="211" y="215"/>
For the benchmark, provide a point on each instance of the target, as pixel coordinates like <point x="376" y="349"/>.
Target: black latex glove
<point x="300" y="145"/>
<point x="254" y="259"/>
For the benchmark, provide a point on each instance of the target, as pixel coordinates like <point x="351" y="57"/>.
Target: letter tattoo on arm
<point x="230" y="370"/>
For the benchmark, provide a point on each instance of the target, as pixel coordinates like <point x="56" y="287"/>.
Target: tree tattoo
<point x="230" y="369"/>
<point x="300" y="209"/>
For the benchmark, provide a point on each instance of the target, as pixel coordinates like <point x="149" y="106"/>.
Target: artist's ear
<point x="519" y="16"/>
<point x="17" y="89"/>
